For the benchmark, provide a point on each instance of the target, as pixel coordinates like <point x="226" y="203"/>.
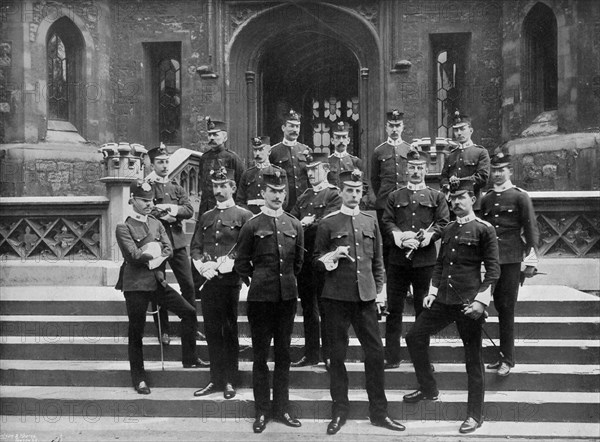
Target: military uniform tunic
<point x="388" y="170"/>
<point x="469" y="160"/>
<point x="338" y="163"/>
<point x="292" y="159"/>
<point x="213" y="159"/>
<point x="248" y="194"/>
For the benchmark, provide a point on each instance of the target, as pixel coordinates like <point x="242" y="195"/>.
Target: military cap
<point x="352" y="178"/>
<point x="319" y="155"/>
<point x="463" y="186"/>
<point x="417" y="157"/>
<point x="214" y="126"/>
<point x="395" y="116"/>
<point x="460" y="119"/>
<point x="221" y="175"/>
<point x="260" y="141"/>
<point x="340" y="128"/>
<point x="293" y="116"/>
<point x="141" y="189"/>
<point x="275" y="178"/>
<point x="500" y="160"/>
<point x="158" y="153"/>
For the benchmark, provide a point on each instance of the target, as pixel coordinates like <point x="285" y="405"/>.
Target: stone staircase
<point x="64" y="353"/>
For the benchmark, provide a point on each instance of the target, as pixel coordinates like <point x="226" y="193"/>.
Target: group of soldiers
<point x="291" y="226"/>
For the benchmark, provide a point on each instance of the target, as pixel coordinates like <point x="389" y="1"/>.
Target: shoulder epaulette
<point x="332" y="186"/>
<point x="367" y="214"/>
<point x="377" y="147"/>
<point x="521" y="190"/>
<point x="243" y="208"/>
<point x="490" y="191"/>
<point x="151" y="216"/>
<point x="255" y="215"/>
<point x="331" y="214"/>
<point x="291" y="216"/>
<point x="485" y="223"/>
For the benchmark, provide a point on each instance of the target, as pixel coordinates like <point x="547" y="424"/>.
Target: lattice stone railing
<point x="53" y="228"/>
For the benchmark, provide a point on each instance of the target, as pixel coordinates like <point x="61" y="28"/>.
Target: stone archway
<point x="255" y="39"/>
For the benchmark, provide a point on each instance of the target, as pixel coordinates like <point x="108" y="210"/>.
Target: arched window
<point x="64" y="60"/>
<point x="169" y="101"/>
<point x="539" y="61"/>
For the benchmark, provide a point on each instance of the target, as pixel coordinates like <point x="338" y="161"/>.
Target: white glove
<point x="203" y="267"/>
<point x="152" y="250"/>
<point x="307" y="220"/>
<point x="399" y="237"/>
<point x="342" y="252"/>
<point x="173" y="209"/>
<point x="225" y="265"/>
<point x="426" y="239"/>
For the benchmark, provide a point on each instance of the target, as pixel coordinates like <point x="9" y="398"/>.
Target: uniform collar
<point x="272" y="213"/>
<point x="160" y="179"/>
<point x="507" y="185"/>
<point x="396" y="143"/>
<point x="130" y="213"/>
<point x="321" y="186"/>
<point x="350" y="212"/>
<point x="289" y="143"/>
<point x="467" y="144"/>
<point x="420" y="186"/>
<point x="262" y="165"/>
<point x="225" y="204"/>
<point x="339" y="154"/>
<point x="465" y="219"/>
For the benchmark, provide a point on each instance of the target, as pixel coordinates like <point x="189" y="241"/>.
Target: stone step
<point x="88" y="300"/>
<point x="52" y="326"/>
<point x="85" y="428"/>
<point x="559" y="351"/>
<point x="313" y="404"/>
<point x="534" y="377"/>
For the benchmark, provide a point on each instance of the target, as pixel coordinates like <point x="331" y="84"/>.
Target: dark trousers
<point x="505" y="295"/>
<point x="180" y="264"/>
<point x="271" y="320"/>
<point x="399" y="279"/>
<point x="363" y="318"/>
<point x="386" y="241"/>
<point x="168" y="299"/>
<point x="433" y="320"/>
<point x="220" y="311"/>
<point x="310" y="286"/>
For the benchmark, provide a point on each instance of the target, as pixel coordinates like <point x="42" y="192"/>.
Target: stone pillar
<point x="122" y="165"/>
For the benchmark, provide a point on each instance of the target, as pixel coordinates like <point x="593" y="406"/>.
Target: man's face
<point x="291" y="130"/>
<point x="351" y="195"/>
<point x="217" y="139"/>
<point x="142" y="206"/>
<point x="394" y="130"/>
<point x="463" y="133"/>
<point x="462" y="204"/>
<point x="261" y="153"/>
<point x="500" y="175"/>
<point x="273" y="198"/>
<point x="416" y="173"/>
<point x="223" y="191"/>
<point x="340" y="142"/>
<point x="317" y="174"/>
<point x="161" y="167"/>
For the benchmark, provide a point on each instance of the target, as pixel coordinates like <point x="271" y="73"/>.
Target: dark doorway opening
<point x="315" y="75"/>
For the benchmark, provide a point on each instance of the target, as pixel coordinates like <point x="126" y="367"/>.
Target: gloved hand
<point x="400" y="237"/>
<point x="454" y="179"/>
<point x="341" y="252"/>
<point x="206" y="269"/>
<point x="426" y="239"/>
<point x="410" y="243"/>
<point x="151" y="250"/>
<point x="225" y="264"/>
<point x="307" y="220"/>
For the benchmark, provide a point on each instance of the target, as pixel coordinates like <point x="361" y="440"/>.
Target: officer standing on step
<point x="145" y="246"/>
<point x="510" y="211"/>
<point x="457" y="294"/>
<point x="348" y="251"/>
<point x="271" y="252"/>
<point x="171" y="207"/>
<point x="414" y="217"/>
<point x="313" y="205"/>
<point x="340" y="159"/>
<point x="213" y="252"/>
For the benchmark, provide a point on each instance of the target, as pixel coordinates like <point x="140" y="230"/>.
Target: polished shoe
<point x="390" y="365"/>
<point x="494" y="366"/>
<point x="288" y="420"/>
<point x="503" y="370"/>
<point x="228" y="391"/>
<point x="336" y="424"/>
<point x="165" y="339"/>
<point x="260" y="423"/>
<point x="303" y="362"/>
<point x="388" y="423"/>
<point x="198" y="363"/>
<point x="209" y="389"/>
<point x="142" y="388"/>
<point x="417" y="396"/>
<point x="469" y="425"/>
<point x="327" y="364"/>
<point x="200" y="336"/>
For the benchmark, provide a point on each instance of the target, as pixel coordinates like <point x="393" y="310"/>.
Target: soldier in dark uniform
<point x="510" y="211"/>
<point x="251" y="184"/>
<point x="457" y="294"/>
<point x="348" y="251"/>
<point x="271" y="252"/>
<point x="290" y="155"/>
<point x="388" y="169"/>
<point x="340" y="159"/>
<point x="467" y="160"/>
<point x="171" y="207"/>
<point x="213" y="250"/>
<point x="314" y="204"/>
<point x="217" y="156"/>
<point x="409" y="210"/>
<point x="145" y="246"/>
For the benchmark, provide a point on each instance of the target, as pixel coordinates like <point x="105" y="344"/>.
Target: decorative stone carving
<point x="370" y="12"/>
<point x="570" y="234"/>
